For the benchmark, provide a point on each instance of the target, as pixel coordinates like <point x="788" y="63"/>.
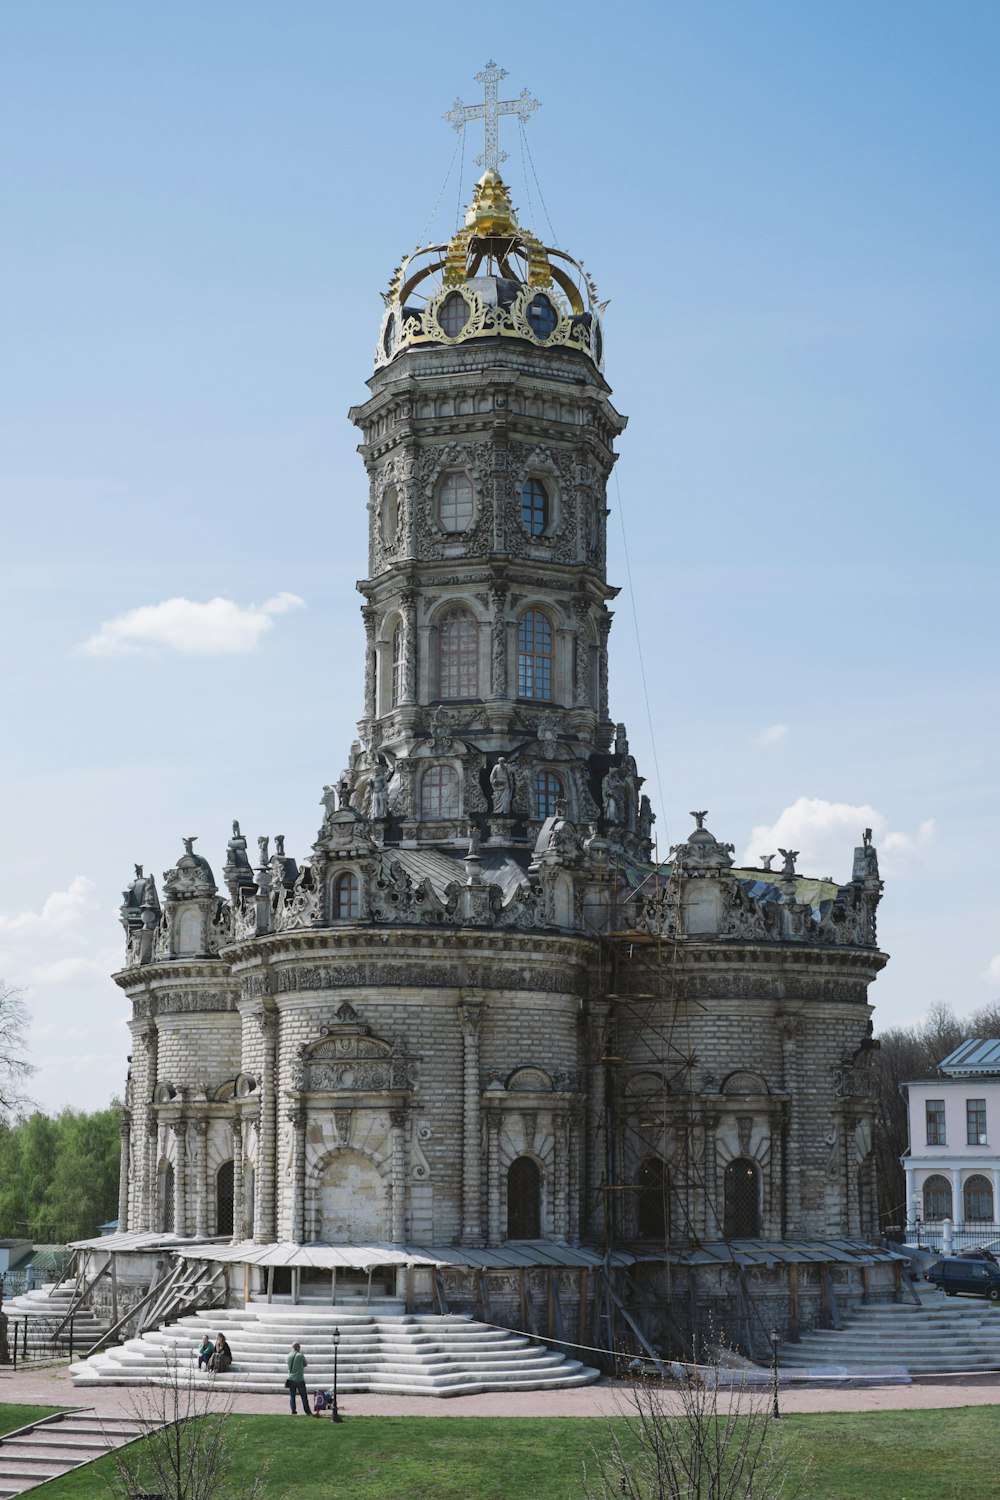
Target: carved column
<point x="179" y="1128"/>
<point x="604" y="629"/>
<point x="297" y="1119"/>
<point x="239" y="1225"/>
<point x="409" y="612"/>
<point x="575" y="1123"/>
<point x="493" y="1178"/>
<point x="265" y="1188"/>
<point x="560" y="1177"/>
<point x="581" y="686"/>
<point x="957" y="1201"/>
<point x="151" y="1154"/>
<point x="201" y="1169"/>
<point x="123" y="1165"/>
<point x="498" y="643"/>
<point x="397" y="1124"/>
<point x="368" y="615"/>
<point x="791" y="1029"/>
<point x="470" y="1016"/>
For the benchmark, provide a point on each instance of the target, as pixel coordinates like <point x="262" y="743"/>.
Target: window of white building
<point x="935" y="1122"/>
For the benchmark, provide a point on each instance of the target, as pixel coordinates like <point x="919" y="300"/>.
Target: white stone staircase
<point x="940" y="1335"/>
<point x="54" y="1445"/>
<point x="402" y="1355"/>
<point x="46" y="1308"/>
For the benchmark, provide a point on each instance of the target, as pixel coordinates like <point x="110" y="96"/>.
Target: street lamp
<point x="335" y="1413"/>
<point x="774" y="1371"/>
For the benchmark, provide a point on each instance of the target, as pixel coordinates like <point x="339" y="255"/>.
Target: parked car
<point x="980" y="1278"/>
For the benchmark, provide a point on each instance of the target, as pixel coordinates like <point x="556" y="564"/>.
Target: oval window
<point x="542" y="316"/>
<point x="453" y="314"/>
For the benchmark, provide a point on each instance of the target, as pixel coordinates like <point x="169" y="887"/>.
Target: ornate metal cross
<point x="489" y="111"/>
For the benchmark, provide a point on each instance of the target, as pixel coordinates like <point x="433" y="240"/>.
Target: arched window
<point x="167" y="1199"/>
<point x="397" y="664"/>
<point x="653" y="1201"/>
<point x="548" y="791"/>
<point x="439" y="793"/>
<point x="534" y="655"/>
<point x="524" y="1200"/>
<point x="978" y="1196"/>
<point x="455" y="503"/>
<point x="458" y="655"/>
<point x="346" y="897"/>
<point x="742" y="1199"/>
<point x="224" y="1199"/>
<point x="534" y="507"/>
<point x="937" y="1198"/>
<point x="453" y="314"/>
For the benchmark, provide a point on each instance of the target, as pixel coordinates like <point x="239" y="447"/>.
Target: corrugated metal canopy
<point x="526" y="1253"/>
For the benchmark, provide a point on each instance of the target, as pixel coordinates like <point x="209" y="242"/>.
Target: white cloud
<point x="772" y="734"/>
<point x="61" y="912"/>
<point x="826" y="833"/>
<point x="219" y="628"/>
<point x="992" y="971"/>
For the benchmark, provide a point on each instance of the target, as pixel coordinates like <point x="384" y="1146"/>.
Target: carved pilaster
<point x="125" y="1128"/>
<point x="201" y="1177"/>
<point x="409" y="612"/>
<point x="297" y="1119"/>
<point x="559" y="1204"/>
<point x="397" y="1125"/>
<point x="581" y="686"/>
<point x="265" y="1187"/>
<point x="368" y="615"/>
<point x="791" y="1030"/>
<point x="574" y="1134"/>
<point x="498" y="643"/>
<point x="493" y="1195"/>
<point x="470" y="1016"/>
<point x="604" y="629"/>
<point x="239" y="1207"/>
<point x="179" y="1226"/>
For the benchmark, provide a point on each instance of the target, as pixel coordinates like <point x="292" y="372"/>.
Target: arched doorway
<point x="224" y="1199"/>
<point x="741" y="1188"/>
<point x="354" y="1200"/>
<point x="653" y="1201"/>
<point x="524" y="1200"/>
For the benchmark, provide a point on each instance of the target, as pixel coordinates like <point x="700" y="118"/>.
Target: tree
<point x="59" y="1174"/>
<point x="14" y="1065"/>
<point x="700" y="1440"/>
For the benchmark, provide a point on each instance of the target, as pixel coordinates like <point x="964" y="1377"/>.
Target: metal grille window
<point x="224" y="1199"/>
<point x="978" y="1196"/>
<point x="454" y="501"/>
<point x="439" y="793"/>
<point x="458" y="655"/>
<point x="975" y="1122"/>
<point x="167" y="1199"/>
<point x="534" y="507"/>
<point x="397" y="664"/>
<point x="653" y="1205"/>
<point x="548" y="791"/>
<point x="534" y="656"/>
<point x="742" y="1199"/>
<point x="346" y="898"/>
<point x="937" y="1198"/>
<point x="934" y="1111"/>
<point x="524" y="1200"/>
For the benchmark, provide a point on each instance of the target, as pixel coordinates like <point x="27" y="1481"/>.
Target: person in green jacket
<point x="296" y="1362"/>
<point x="205" y="1352"/>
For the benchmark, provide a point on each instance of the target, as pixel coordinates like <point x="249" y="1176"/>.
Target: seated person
<point x="223" y="1356"/>
<point x="205" y="1352"/>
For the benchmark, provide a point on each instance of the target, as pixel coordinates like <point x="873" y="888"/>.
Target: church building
<point x="477" y="1037"/>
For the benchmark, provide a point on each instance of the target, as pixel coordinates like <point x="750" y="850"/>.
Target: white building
<point x="953" y="1163"/>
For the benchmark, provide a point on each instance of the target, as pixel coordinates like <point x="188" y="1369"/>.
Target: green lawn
<point x="13" y="1417"/>
<point x="922" y="1455"/>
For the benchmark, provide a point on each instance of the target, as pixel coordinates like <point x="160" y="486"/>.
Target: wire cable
<point x="430" y="217"/>
<point x="638" y="640"/>
<point x="538" y="185"/>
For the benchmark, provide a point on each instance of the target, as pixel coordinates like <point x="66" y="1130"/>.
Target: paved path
<point x="54" y="1388"/>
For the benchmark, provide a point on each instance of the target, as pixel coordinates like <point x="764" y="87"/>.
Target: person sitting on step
<point x="223" y="1356"/>
<point x="205" y="1352"/>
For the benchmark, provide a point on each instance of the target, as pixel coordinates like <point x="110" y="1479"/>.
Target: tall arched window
<point x="458" y="655"/>
<point x="653" y="1201"/>
<point x="524" y="1200"/>
<point x="548" y="792"/>
<point x="534" y="507"/>
<point x="534" y="655"/>
<point x="742" y="1199"/>
<point x="397" y="664"/>
<point x="224" y="1199"/>
<point x="167" y="1198"/>
<point x="455" y="503"/>
<point x="978" y="1198"/>
<point x="346" y="897"/>
<point x="439" y="793"/>
<point x="937" y="1198"/>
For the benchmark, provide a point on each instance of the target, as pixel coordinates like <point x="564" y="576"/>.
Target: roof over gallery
<point x="973" y="1057"/>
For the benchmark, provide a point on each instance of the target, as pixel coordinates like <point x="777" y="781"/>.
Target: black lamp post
<point x="335" y="1413"/>
<point x="774" y="1372"/>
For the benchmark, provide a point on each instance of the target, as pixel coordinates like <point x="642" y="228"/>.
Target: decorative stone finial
<point x="699" y="818"/>
<point x="189" y="843"/>
<point x="765" y="861"/>
<point x="789" y="856"/>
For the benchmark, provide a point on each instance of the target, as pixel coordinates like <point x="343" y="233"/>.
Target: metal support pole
<point x="776" y="1414"/>
<point x="335" y="1413"/>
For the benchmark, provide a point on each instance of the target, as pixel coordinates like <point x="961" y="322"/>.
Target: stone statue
<point x="612" y="796"/>
<point x="344" y="790"/>
<point x="279" y="845"/>
<point x="765" y="861"/>
<point x="647" y="818"/>
<point x="329" y="800"/>
<point x="262" y="842"/>
<point x="699" y="818"/>
<point x="789" y="856"/>
<point x="236" y="829"/>
<point x="378" y="798"/>
<point x="138" y="872"/>
<point x="501" y="787"/>
<point x="189" y="843"/>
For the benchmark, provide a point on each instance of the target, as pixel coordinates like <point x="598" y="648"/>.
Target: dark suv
<point x="979" y="1277"/>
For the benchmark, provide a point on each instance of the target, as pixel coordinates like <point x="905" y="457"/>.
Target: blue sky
<point x="793" y="209"/>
